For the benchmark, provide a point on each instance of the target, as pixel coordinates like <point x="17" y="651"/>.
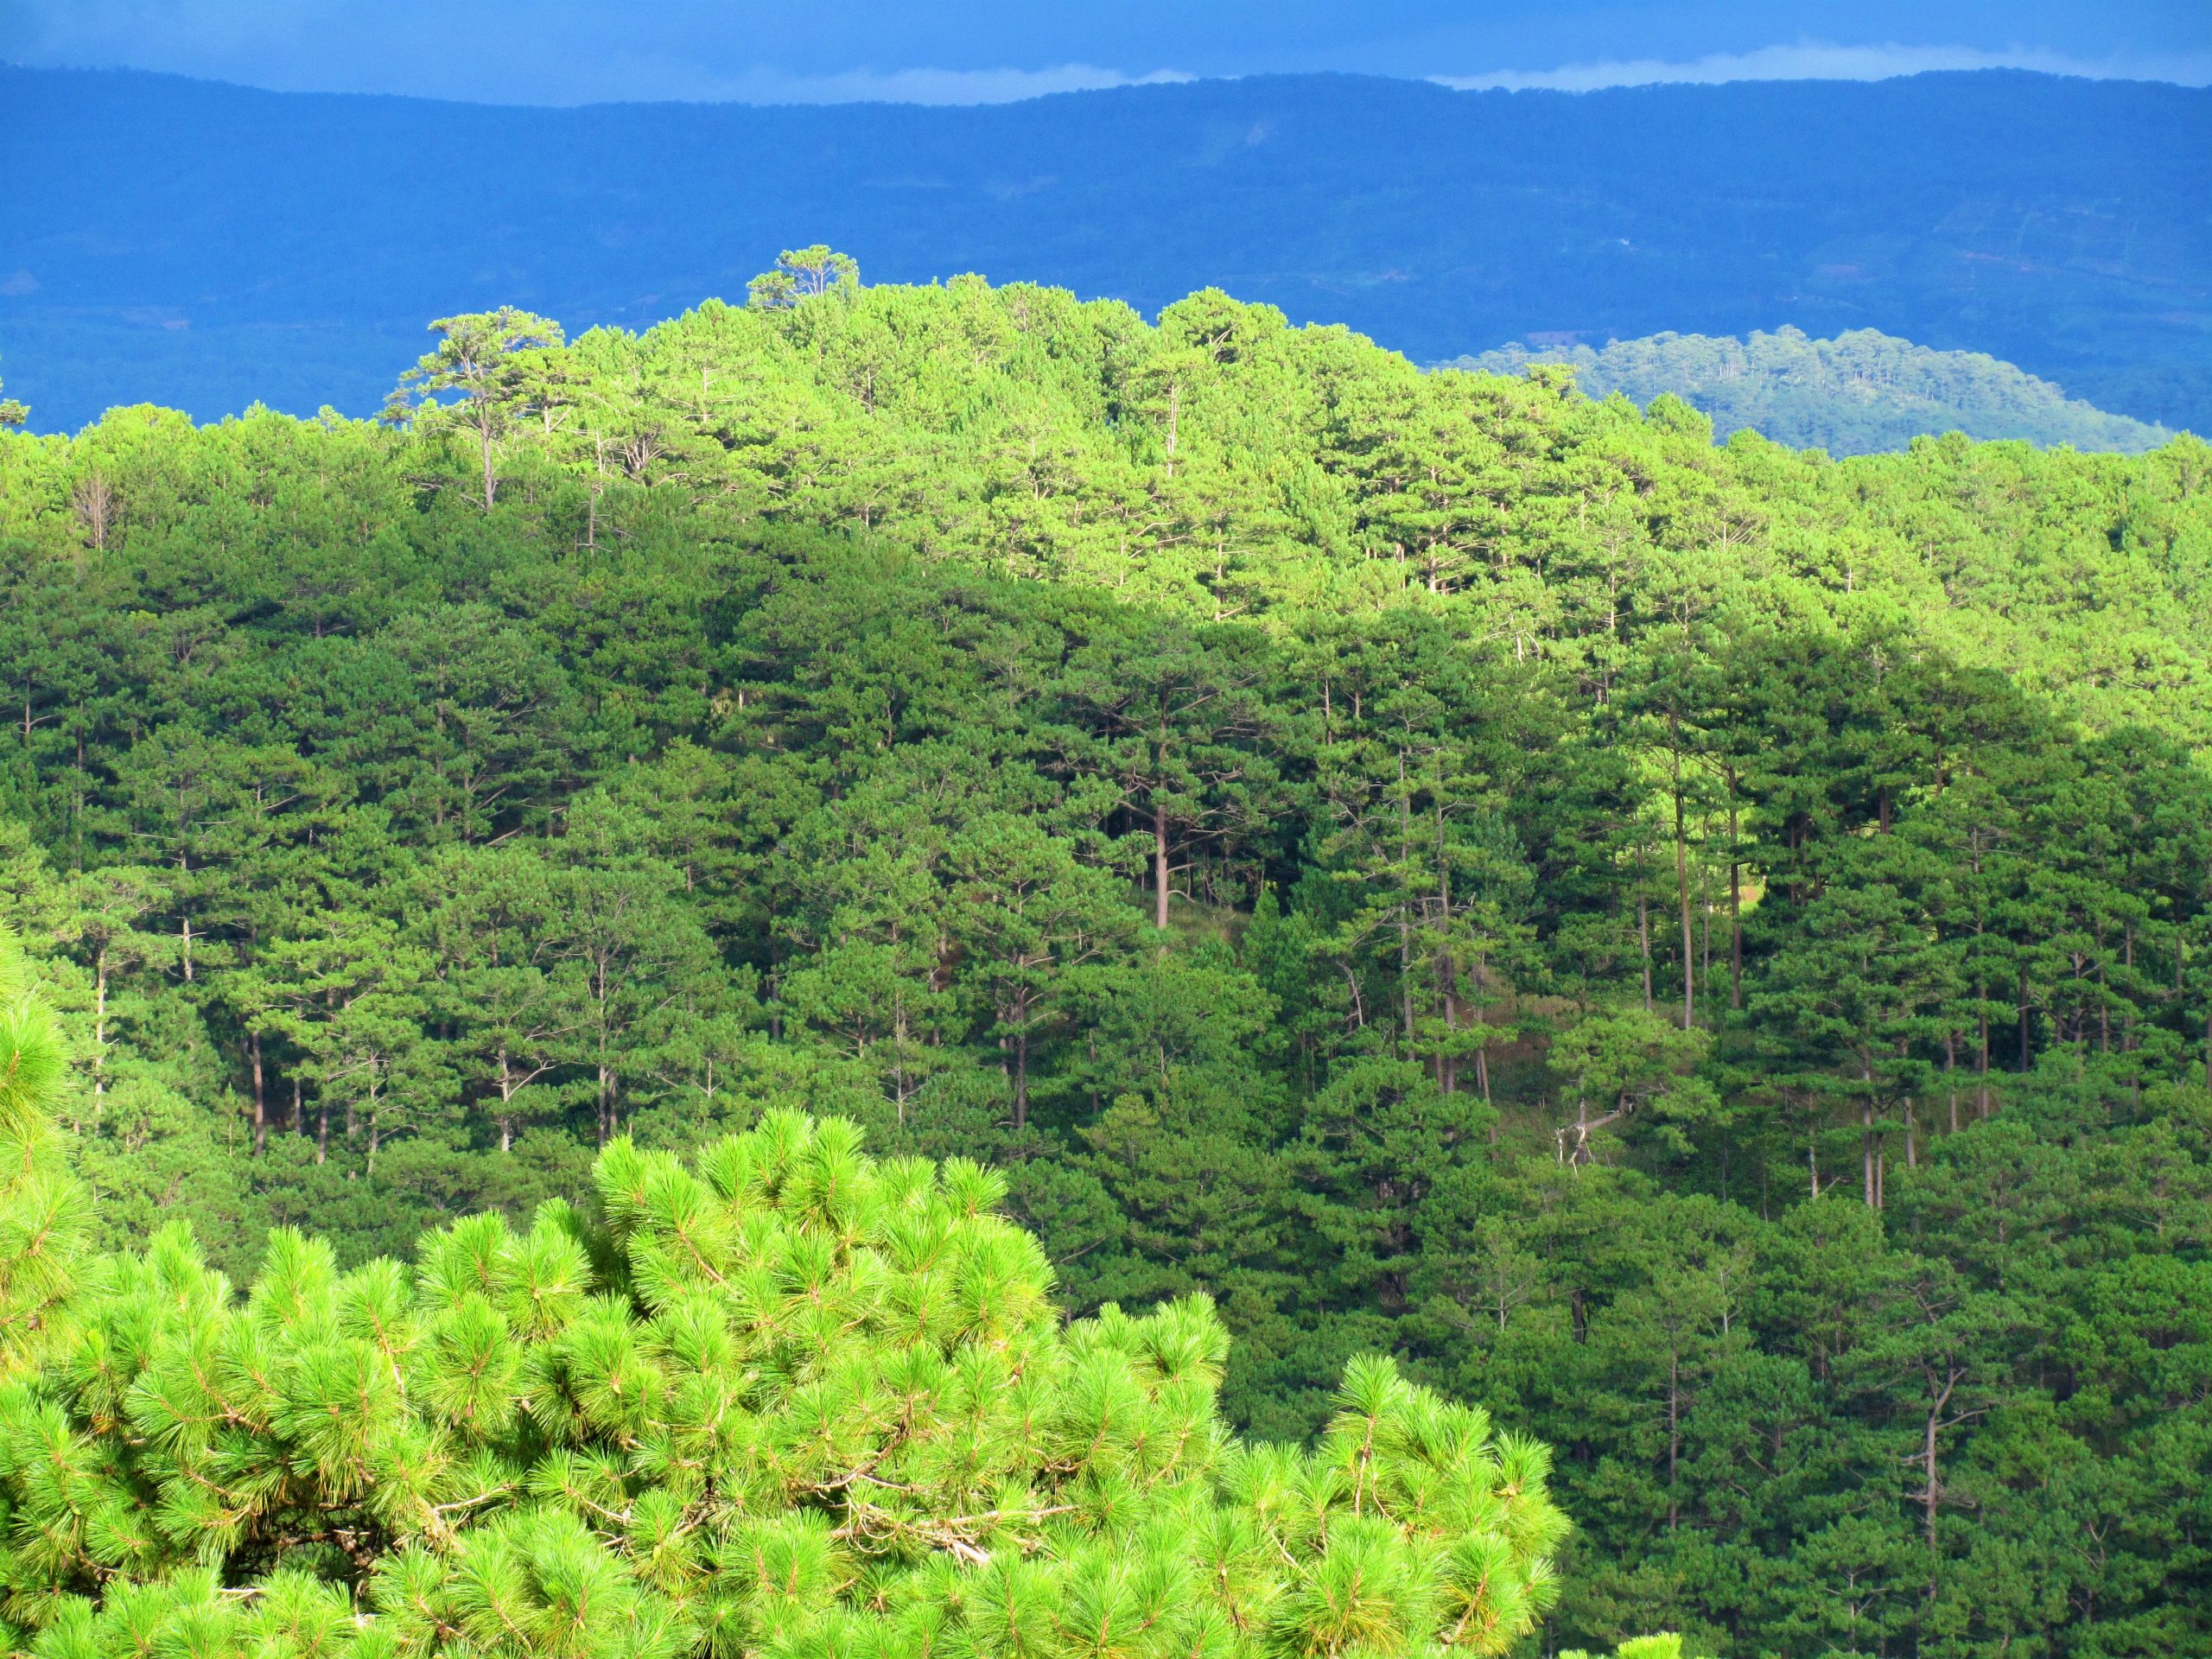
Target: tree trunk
<point x="1950" y="1069"/>
<point x="1682" y="890"/>
<point x="1405" y="921"/>
<point x="100" y="1022"/>
<point x="1735" y="907"/>
<point x="506" y="1102"/>
<point x="1932" y="1493"/>
<point x="1866" y="1137"/>
<point x="1981" y="1058"/>
<point x="1159" y="866"/>
<point x="1674" y="1434"/>
<point x="1447" y="1067"/>
<point x="1705" y="926"/>
<point x="1447" y="1063"/>
<point x="1022" y="1077"/>
<point x="260" y="1107"/>
<point x="1643" y="941"/>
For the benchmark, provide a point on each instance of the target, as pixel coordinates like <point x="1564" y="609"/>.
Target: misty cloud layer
<point x="563" y="51"/>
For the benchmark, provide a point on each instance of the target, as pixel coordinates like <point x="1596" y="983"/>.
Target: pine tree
<point x="791" y="1400"/>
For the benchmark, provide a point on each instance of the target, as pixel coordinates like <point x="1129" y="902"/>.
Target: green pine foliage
<point x="792" y="1402"/>
<point x="1700" y="950"/>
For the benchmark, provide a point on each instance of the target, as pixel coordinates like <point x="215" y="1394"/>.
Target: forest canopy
<point x="795" y="1402"/>
<point x="1704" y="952"/>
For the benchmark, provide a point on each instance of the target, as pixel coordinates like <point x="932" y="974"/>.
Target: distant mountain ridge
<point x="206" y="245"/>
<point x="1857" y="394"/>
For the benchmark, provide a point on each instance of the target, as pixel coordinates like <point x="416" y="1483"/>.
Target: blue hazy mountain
<point x="205" y="245"/>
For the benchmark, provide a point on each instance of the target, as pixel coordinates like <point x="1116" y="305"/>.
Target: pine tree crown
<point x="784" y="1399"/>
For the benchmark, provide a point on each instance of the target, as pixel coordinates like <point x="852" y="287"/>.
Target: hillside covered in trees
<point x="1854" y="395"/>
<point x="1704" y="952"/>
<point x="799" y="1402"/>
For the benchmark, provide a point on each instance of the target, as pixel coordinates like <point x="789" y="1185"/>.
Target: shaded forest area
<point x="1706" y="952"/>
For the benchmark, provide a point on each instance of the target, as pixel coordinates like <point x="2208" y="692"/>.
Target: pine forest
<point x="914" y="972"/>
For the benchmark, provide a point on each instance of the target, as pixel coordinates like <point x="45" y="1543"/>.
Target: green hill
<point x="1855" y="395"/>
<point x="1704" y="952"/>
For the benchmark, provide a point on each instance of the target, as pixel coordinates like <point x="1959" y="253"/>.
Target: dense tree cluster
<point x="1706" y="951"/>
<point x="798" y="1402"/>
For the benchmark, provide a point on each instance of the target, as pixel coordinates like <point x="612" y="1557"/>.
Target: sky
<point x="561" y="52"/>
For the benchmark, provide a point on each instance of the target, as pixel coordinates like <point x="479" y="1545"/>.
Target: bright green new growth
<point x="795" y="1401"/>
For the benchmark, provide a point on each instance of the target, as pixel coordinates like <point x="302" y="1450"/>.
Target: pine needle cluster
<point x="791" y="1400"/>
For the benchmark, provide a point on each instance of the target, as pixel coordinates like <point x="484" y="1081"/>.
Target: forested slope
<point x="1854" y="395"/>
<point x="798" y="1402"/>
<point x="1701" y="951"/>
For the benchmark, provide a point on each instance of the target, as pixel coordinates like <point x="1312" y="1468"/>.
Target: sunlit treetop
<point x="792" y="1401"/>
